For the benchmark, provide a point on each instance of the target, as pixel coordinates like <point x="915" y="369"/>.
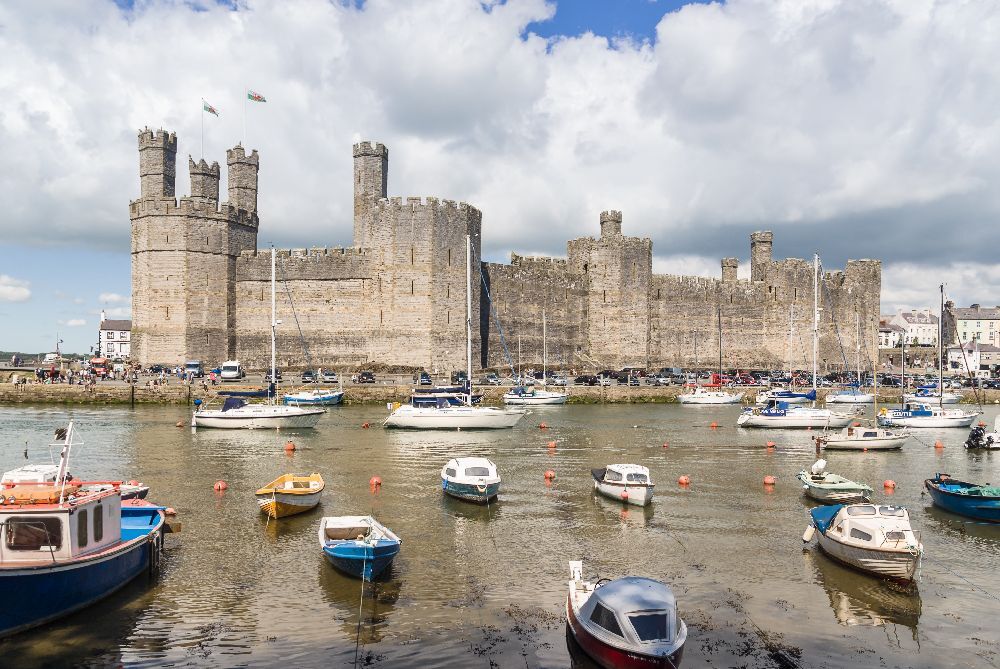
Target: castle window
<point x="447" y="289"/>
<point x="657" y="293"/>
<point x="168" y="313"/>
<point x="411" y="255"/>
<point x="168" y="238"/>
<point x="380" y="317"/>
<point x="448" y="314"/>
<point x="411" y="286"/>
<point x="605" y="296"/>
<point x="449" y="257"/>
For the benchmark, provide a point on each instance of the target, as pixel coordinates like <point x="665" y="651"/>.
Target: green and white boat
<point x="829" y="488"/>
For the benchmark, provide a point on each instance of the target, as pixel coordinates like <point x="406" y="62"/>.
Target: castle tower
<point x="371" y="182"/>
<point x="730" y="267"/>
<point x="157" y="164"/>
<point x="611" y="224"/>
<point x="204" y="181"/>
<point x="242" y="178"/>
<point x="760" y="254"/>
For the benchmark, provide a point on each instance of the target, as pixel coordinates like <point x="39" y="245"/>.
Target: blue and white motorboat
<point x="781" y="414"/>
<point x="925" y="415"/>
<point x="320" y="397"/>
<point x="531" y="396"/>
<point x="931" y="395"/>
<point x="981" y="502"/>
<point x="786" y="395"/>
<point x="359" y="546"/>
<point x="452" y="395"/>
<point x="64" y="547"/>
<point x="471" y="479"/>
<point x="850" y="395"/>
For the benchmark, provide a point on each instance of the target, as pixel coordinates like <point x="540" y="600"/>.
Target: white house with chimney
<point x="114" y="338"/>
<point x="919" y="326"/>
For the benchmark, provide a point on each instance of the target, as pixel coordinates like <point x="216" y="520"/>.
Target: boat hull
<point x="971" y="506"/>
<point x="926" y="421"/>
<point x="365" y="560"/>
<point x="470" y="492"/>
<point x="712" y="399"/>
<point x="852" y="398"/>
<point x="457" y="418"/>
<point x="896" y="565"/>
<point x="303" y="418"/>
<point x="838" y="496"/>
<point x="761" y="420"/>
<point x="538" y="399"/>
<point x="611" y="657"/>
<point x="47" y="592"/>
<point x="280" y="505"/>
<point x="330" y="399"/>
<point x="637" y="495"/>
<point x="949" y="398"/>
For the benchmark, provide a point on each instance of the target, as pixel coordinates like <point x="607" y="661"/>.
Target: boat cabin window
<point x="861" y="510"/>
<point x="870" y="434"/>
<point x="81" y="528"/>
<point x="477" y="471"/>
<point x="636" y="478"/>
<point x="895" y="536"/>
<point x="890" y="511"/>
<point x="650" y="626"/>
<point x="858" y="534"/>
<point x="450" y="472"/>
<point x="603" y="617"/>
<point x="99" y="522"/>
<point x="33" y="534"/>
<point x="612" y="475"/>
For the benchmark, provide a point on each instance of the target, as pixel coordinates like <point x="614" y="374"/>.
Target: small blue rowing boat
<point x="359" y="546"/>
<point x="981" y="502"/>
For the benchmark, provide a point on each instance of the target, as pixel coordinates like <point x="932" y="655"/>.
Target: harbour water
<point x="485" y="586"/>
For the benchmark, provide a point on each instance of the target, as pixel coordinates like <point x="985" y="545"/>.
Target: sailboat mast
<point x="719" y="316"/>
<point x="788" y="349"/>
<point x="857" y="321"/>
<point x="274" y="329"/>
<point x="544" y="356"/>
<point x="815" y="315"/>
<point x="468" y="315"/>
<point x="940" y="359"/>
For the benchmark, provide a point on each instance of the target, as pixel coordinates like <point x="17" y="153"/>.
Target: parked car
<point x="586" y="380"/>
<point x="604" y="380"/>
<point x="155" y="369"/>
<point x="267" y="376"/>
<point x="232" y="370"/>
<point x="558" y="380"/>
<point x="195" y="369"/>
<point x="329" y="377"/>
<point x="366" y="377"/>
<point x="423" y="379"/>
<point x="492" y="379"/>
<point x="458" y="377"/>
<point x="308" y="376"/>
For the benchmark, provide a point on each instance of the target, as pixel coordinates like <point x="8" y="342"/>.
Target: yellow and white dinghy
<point x="290" y="494"/>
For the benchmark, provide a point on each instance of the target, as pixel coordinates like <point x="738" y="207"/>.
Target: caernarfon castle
<point x="397" y="295"/>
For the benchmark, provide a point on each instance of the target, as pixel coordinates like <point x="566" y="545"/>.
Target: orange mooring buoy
<point x="543" y="426"/>
<point x="889" y="484"/>
<point x="770" y="444"/>
<point x="938" y="444"/>
<point x="375" y="482"/>
<point x="770" y="480"/>
<point x="549" y="475"/>
<point x="180" y="423"/>
<point x="220" y="486"/>
<point x="170" y="511"/>
<point x="684" y="480"/>
<point x="365" y="425"/>
<point x="666" y="444"/>
<point x="625" y="495"/>
<point x="552" y="444"/>
<point x="289" y="447"/>
<point x="713" y="426"/>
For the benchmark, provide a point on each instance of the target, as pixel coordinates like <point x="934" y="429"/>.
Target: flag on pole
<point x="255" y="97"/>
<point x="209" y="108"/>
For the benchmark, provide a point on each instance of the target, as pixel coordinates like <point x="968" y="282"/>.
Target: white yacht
<point x="523" y="395"/>
<point x="860" y="438"/>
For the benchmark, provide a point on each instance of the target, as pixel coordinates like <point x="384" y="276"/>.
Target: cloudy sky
<point x="855" y="128"/>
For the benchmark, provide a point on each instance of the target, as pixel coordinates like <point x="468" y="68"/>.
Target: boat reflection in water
<point x="344" y="594"/>
<point x="626" y="514"/>
<point x="857" y="599"/>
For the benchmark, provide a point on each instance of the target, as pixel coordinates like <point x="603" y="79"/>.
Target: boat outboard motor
<point x="977" y="438"/>
<point x="818" y="467"/>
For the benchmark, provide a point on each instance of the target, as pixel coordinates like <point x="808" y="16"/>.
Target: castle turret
<point x="760" y="254"/>
<point x="611" y="224"/>
<point x="157" y="164"/>
<point x="371" y="170"/>
<point x="242" y="178"/>
<point x="204" y="180"/>
<point x="730" y="267"/>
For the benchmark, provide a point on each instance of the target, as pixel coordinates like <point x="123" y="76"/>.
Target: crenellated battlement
<point x="160" y="139"/>
<point x="397" y="203"/>
<point x="313" y="264"/>
<point x="376" y="149"/>
<point x="538" y="261"/>
<point x="191" y="206"/>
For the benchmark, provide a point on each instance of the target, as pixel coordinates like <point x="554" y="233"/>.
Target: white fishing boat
<point x="627" y="483"/>
<point x="314" y="397"/>
<point x="716" y="396"/>
<point x="50" y="473"/>
<point x="238" y="414"/>
<point x="829" y="488"/>
<point x="529" y="395"/>
<point x="862" y="438"/>
<point x="445" y="416"/>
<point x="471" y="479"/>
<point x="925" y="415"/>
<point x="626" y="623"/>
<point x="782" y="415"/>
<point x="874" y="538"/>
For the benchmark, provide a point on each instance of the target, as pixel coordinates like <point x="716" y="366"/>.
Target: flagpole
<point x="203" y="128"/>
<point x="245" y="118"/>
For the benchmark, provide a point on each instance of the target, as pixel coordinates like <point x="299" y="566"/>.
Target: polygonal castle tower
<point x="184" y="253"/>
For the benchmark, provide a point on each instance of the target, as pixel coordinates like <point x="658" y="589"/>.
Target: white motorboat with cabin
<point x="875" y="538"/>
<point x="859" y="437"/>
<point x="238" y="414"/>
<point x="627" y="483"/>
<point x="829" y="488"/>
<point x="925" y="415"/>
<point x="932" y="395"/>
<point x="471" y="479"/>
<point x="626" y="623"/>
<point x="782" y="415"/>
<point x="445" y="416"/>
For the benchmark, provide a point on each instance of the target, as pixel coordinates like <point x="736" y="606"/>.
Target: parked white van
<point x="232" y="370"/>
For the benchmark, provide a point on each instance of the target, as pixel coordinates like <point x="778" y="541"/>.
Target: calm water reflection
<point x="484" y="586"/>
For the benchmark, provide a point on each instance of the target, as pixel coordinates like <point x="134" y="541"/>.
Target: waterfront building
<point x="976" y="323"/>
<point x="889" y="334"/>
<point x="114" y="338"/>
<point x="396" y="295"/>
<point x="919" y="326"/>
<point x="981" y="360"/>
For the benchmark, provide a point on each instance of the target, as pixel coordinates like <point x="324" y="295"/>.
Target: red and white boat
<point x="626" y="623"/>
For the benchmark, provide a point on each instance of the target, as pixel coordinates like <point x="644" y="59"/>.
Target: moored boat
<point x="64" y="547"/>
<point x="626" y="623"/>
<point x="531" y="396"/>
<point x="932" y="395"/>
<point x="874" y="538"/>
<point x="829" y="488"/>
<point x="785" y="395"/>
<point x="981" y="502"/>
<point x="850" y="396"/>
<point x="48" y="474"/>
<point x="925" y="415"/>
<point x="702" y="395"/>
<point x="781" y="414"/>
<point x="624" y="482"/>
<point x="319" y="397"/>
<point x="290" y="494"/>
<point x="448" y="417"/>
<point x="237" y="414"/>
<point x="359" y="546"/>
<point x="857" y="437"/>
<point x="980" y="438"/>
<point x="471" y="479"/>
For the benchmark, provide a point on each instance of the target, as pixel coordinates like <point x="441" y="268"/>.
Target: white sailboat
<point x="921" y="413"/>
<point x="702" y="395"/>
<point x="238" y="414"/>
<point x="777" y="413"/>
<point x="529" y="395"/>
<point x="853" y="395"/>
<point x="465" y="416"/>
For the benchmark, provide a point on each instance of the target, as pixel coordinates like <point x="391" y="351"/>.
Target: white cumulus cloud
<point x="74" y="322"/>
<point x="112" y="298"/>
<point x="14" y="290"/>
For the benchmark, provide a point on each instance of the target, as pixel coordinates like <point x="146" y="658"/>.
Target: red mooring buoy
<point x="220" y="486"/>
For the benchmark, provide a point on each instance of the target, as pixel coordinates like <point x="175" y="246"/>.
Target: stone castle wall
<point x="201" y="288"/>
